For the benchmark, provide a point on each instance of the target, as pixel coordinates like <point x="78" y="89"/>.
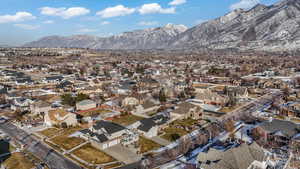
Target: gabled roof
<point x="184" y="108"/>
<point x="146" y="124"/>
<point x="287" y="128"/>
<point x="109" y="127"/>
<point x="234" y="158"/>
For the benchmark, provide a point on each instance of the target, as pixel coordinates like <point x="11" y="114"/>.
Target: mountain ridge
<point x="274" y="27"/>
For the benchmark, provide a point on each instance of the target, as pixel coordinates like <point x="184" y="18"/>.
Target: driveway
<point x="160" y="140"/>
<point x="122" y="154"/>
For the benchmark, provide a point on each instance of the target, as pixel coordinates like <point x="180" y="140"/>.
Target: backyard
<point x="179" y="128"/>
<point x="126" y="120"/>
<point x="67" y="142"/>
<point x="92" y="155"/>
<point x="146" y="145"/>
<point x="49" y="132"/>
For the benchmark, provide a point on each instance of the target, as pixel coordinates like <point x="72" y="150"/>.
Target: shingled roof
<point x="235" y="158"/>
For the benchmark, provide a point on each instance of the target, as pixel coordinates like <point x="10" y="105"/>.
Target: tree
<point x="162" y="96"/>
<point x="175" y="136"/>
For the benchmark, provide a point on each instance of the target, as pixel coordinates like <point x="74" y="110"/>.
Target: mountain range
<point x="270" y="28"/>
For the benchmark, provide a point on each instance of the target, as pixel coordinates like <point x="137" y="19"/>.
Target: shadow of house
<point x="4" y="151"/>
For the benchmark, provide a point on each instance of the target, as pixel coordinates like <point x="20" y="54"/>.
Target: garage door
<point x="112" y="143"/>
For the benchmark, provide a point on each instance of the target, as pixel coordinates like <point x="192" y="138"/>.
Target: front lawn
<point x="126" y="120"/>
<point x="92" y="155"/>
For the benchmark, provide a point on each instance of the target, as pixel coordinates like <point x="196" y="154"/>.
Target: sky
<point x="23" y="21"/>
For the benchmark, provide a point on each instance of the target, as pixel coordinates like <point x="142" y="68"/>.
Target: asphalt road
<point x="53" y="159"/>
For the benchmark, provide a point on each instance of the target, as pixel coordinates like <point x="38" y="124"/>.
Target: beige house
<point x="186" y="110"/>
<point x="104" y="134"/>
<point x="40" y="107"/>
<point x="60" y="117"/>
<point x="86" y="104"/>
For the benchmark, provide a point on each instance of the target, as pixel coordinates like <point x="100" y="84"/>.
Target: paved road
<point x="160" y="140"/>
<point x="53" y="159"/>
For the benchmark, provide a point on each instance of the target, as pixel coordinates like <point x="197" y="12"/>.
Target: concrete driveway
<point x="122" y="154"/>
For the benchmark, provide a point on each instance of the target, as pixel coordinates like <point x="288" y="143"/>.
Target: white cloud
<point x="115" y="11"/>
<point x="244" y="4"/>
<point x="148" y="23"/>
<point x="156" y="8"/>
<point x="48" y="22"/>
<point x="86" y="30"/>
<point x="18" y="17"/>
<point x="177" y="2"/>
<point x="27" y="26"/>
<point x="65" y="13"/>
<point x="105" y="23"/>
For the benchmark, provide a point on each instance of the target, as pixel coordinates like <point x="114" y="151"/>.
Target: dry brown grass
<point x="67" y="142"/>
<point x="147" y="145"/>
<point x="127" y="119"/>
<point x="49" y="132"/>
<point x="92" y="155"/>
<point x="18" y="161"/>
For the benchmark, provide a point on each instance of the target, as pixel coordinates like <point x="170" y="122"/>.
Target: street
<point x="53" y="159"/>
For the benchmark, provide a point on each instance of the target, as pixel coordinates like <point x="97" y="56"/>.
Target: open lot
<point x="92" y="155"/>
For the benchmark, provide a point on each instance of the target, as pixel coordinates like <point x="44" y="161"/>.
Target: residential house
<point x="243" y="156"/>
<point x="147" y="127"/>
<point x="186" y="110"/>
<point x="209" y="97"/>
<point x="53" y="79"/>
<point x="148" y="106"/>
<point x="105" y="134"/>
<point x="86" y="104"/>
<point x="278" y="132"/>
<point x="21" y="104"/>
<point x="60" y="117"/>
<point x="40" y="107"/>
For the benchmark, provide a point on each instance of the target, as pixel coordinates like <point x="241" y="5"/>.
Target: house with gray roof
<point x="243" y="156"/>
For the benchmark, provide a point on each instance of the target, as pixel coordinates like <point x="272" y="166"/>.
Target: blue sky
<point x="26" y="20"/>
